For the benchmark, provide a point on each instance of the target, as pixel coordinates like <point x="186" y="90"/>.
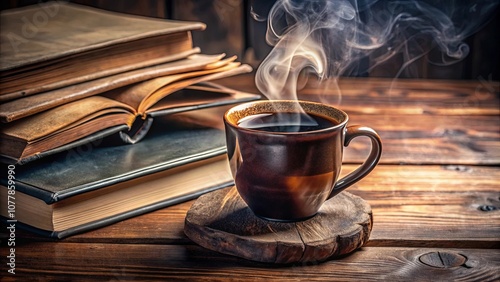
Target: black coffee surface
<point x="286" y="122"/>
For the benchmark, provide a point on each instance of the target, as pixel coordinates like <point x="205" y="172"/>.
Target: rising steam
<point x="330" y="38"/>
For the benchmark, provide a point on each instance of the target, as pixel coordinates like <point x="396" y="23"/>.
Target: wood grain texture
<point x="430" y="139"/>
<point x="411" y="97"/>
<point x="420" y="122"/>
<point x="225" y="27"/>
<point x="417" y="206"/>
<point x="93" y="261"/>
<point x="221" y="221"/>
<point x="435" y="200"/>
<point x="382" y="96"/>
<point x="148" y="8"/>
<point x="447" y="206"/>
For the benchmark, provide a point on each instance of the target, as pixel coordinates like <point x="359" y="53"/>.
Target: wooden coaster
<point x="221" y="221"/>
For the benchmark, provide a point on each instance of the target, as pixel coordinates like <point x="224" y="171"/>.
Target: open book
<point x="88" y="73"/>
<point x="97" y="184"/>
<point x="128" y="110"/>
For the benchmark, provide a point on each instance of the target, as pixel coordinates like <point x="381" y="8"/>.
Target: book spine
<point x="44" y="195"/>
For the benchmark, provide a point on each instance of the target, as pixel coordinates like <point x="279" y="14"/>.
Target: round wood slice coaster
<point x="221" y="221"/>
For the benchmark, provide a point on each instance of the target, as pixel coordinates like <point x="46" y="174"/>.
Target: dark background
<point x="231" y="30"/>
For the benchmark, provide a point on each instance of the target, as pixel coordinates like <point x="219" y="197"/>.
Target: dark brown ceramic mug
<point x="286" y="163"/>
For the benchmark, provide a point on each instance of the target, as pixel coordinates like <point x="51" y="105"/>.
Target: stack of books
<point x="107" y="116"/>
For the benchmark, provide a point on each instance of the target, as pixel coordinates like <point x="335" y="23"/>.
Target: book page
<point x="199" y="96"/>
<point x="208" y="75"/>
<point x="195" y="65"/>
<point x="63" y="117"/>
<point x="33" y="104"/>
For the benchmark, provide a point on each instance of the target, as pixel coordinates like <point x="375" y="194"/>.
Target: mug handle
<point x="352" y="132"/>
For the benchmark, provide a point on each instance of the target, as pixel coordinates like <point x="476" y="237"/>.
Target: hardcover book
<point x="97" y="184"/>
<point x="56" y="44"/>
<point x="81" y="89"/>
<point x="84" y="120"/>
<point x="83" y="76"/>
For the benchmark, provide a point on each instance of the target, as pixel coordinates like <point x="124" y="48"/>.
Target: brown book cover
<point x="88" y="73"/>
<point x="56" y="44"/>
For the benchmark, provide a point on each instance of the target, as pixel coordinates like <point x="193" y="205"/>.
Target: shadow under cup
<point x="287" y="176"/>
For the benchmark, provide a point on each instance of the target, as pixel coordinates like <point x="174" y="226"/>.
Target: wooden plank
<point x="427" y="139"/>
<point x="413" y="97"/>
<point x="402" y="96"/>
<point x="446" y="206"/>
<point x="435" y="122"/>
<point x="410" y="204"/>
<point x="224" y="20"/>
<point x="88" y="261"/>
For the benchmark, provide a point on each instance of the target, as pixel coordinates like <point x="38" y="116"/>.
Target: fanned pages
<point x="27" y="106"/>
<point x="62" y="125"/>
<point x="24" y="139"/>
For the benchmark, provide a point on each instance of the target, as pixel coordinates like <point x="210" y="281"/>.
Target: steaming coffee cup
<point x="286" y="156"/>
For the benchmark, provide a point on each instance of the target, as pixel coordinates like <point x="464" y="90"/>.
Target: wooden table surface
<point x="435" y="198"/>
